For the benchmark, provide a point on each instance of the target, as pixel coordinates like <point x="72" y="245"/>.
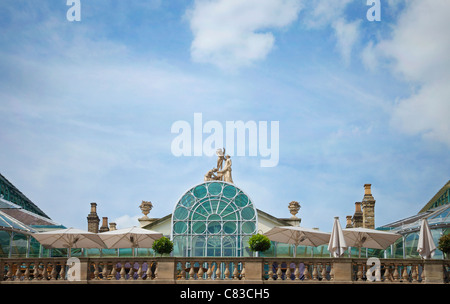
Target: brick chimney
<point x="368" y="208"/>
<point x="357" y="220"/>
<point x="104" y="226"/>
<point x="93" y="219"/>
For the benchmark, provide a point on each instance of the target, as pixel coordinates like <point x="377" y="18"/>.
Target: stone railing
<point x="223" y="270"/>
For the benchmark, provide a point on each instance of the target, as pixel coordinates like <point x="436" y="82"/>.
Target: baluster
<point x="149" y="271"/>
<point x="324" y="272"/>
<point x="297" y="272"/>
<point x="270" y="273"/>
<point x="306" y="274"/>
<point x="45" y="271"/>
<point x="96" y="271"/>
<point x="122" y="272"/>
<point x="218" y="271"/>
<point x="105" y="271"/>
<point x="414" y="273"/>
<point x="331" y="272"/>
<point x="315" y="274"/>
<point x="279" y="272"/>
<point x="114" y="271"/>
<point x="288" y="271"/>
<point x="243" y="271"/>
<point x="36" y="270"/>
<point x="387" y="273"/>
<point x="156" y="270"/>
<point x="395" y="275"/>
<point x="18" y="272"/>
<point x="200" y="271"/>
<point x="9" y="272"/>
<point x="209" y="272"/>
<point x="191" y="271"/>
<point x="131" y="272"/>
<point x="423" y="275"/>
<point x="235" y="272"/>
<point x="405" y="276"/>
<point x="183" y="271"/>
<point x="140" y="272"/>
<point x="26" y="275"/>
<point x="62" y="272"/>
<point x="227" y="271"/>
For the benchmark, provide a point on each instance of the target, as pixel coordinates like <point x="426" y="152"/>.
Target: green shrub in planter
<point x="259" y="243"/>
<point x="444" y="244"/>
<point x="163" y="246"/>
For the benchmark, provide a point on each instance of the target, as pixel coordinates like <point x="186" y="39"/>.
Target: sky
<point x="87" y="107"/>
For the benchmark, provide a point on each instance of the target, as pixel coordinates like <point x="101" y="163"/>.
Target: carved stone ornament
<point x="294" y="207"/>
<point x="145" y="208"/>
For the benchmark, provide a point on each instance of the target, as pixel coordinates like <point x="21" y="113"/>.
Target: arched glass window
<point x="213" y="219"/>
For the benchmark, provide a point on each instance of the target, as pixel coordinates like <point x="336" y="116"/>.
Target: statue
<point x="210" y="175"/>
<point x="227" y="170"/>
<point x="218" y="173"/>
<point x="220" y="153"/>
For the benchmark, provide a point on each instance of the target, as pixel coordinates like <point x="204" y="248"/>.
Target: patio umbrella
<point x="426" y="246"/>
<point x="337" y="244"/>
<point x="298" y="236"/>
<point x="369" y="238"/>
<point x="132" y="237"/>
<point x="69" y="238"/>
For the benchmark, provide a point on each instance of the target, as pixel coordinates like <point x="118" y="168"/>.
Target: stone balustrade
<point x="200" y="270"/>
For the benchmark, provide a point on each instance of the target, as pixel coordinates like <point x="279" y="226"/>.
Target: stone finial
<point x="294" y="207"/>
<point x="145" y="208"/>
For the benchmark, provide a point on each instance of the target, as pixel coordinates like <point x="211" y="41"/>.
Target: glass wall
<point x="213" y="219"/>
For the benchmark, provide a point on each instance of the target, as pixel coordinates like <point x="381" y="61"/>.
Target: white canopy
<point x="132" y="237"/>
<point x="298" y="236"/>
<point x="369" y="238"/>
<point x="337" y="244"/>
<point x="426" y="246"/>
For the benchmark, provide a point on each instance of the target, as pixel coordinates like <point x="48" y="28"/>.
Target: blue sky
<point x="87" y="107"/>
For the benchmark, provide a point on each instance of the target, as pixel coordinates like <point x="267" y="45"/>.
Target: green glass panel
<point x="180" y="227"/>
<point x="187" y="200"/>
<point x="230" y="217"/>
<point x="215" y="188"/>
<point x="229" y="191"/>
<point x="214" y="217"/>
<point x="207" y="206"/>
<point x="200" y="191"/>
<point x="241" y="200"/>
<point x="248" y="213"/>
<point x="214" y="204"/>
<point x="214" y="227"/>
<point x="201" y="210"/>
<point x="229" y="227"/>
<point x="198" y="227"/>
<point x="248" y="227"/>
<point x="4" y="243"/>
<point x="180" y="213"/>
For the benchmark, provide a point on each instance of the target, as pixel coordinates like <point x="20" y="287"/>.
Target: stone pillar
<point x="368" y="208"/>
<point x="93" y="219"/>
<point x="357" y="220"/>
<point x="112" y="226"/>
<point x="104" y="226"/>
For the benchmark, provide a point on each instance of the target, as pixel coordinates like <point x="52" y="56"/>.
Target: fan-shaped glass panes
<point x="213" y="219"/>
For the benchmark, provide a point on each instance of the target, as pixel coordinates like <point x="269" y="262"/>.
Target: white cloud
<point x="126" y="221"/>
<point x="420" y="54"/>
<point x="235" y="33"/>
<point x="347" y="33"/>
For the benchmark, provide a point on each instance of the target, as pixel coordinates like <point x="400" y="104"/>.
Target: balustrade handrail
<point x="255" y="269"/>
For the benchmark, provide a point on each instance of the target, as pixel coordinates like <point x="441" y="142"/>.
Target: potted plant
<point x="259" y="243"/>
<point x="163" y="246"/>
<point x="444" y="245"/>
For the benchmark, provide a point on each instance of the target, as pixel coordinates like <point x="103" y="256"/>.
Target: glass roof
<point x="9" y="222"/>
